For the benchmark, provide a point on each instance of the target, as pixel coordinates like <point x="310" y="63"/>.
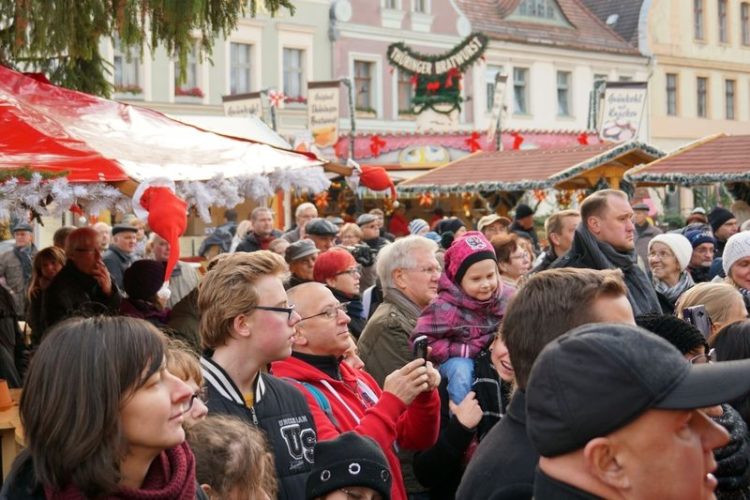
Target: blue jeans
<point x="460" y="374"/>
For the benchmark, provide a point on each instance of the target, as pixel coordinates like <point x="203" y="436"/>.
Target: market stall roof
<point x="717" y="158"/>
<point x="574" y="167"/>
<point x="93" y="139"/>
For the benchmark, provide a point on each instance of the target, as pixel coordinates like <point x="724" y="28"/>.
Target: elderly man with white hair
<point x="305" y="213"/>
<point x="183" y="279"/>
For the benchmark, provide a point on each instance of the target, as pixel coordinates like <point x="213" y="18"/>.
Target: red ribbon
<point x="517" y="140"/>
<point x="473" y="142"/>
<point x="583" y="139"/>
<point x="433" y="86"/>
<point x="376" y="143"/>
<point x="452" y="73"/>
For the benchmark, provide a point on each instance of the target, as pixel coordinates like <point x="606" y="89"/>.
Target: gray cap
<point x="321" y="227"/>
<point x="22" y="226"/>
<point x="335" y="219"/>
<point x="299" y="250"/>
<point x="366" y="219"/>
<point x="641" y="206"/>
<point x="123" y="228"/>
<point x="600" y="377"/>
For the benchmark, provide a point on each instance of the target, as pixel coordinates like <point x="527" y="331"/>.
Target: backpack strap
<point x="320" y="399"/>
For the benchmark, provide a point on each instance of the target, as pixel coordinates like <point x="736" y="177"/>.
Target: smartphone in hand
<point x="420" y="347"/>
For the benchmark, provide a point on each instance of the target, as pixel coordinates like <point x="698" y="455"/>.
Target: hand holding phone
<point x="420" y="347"/>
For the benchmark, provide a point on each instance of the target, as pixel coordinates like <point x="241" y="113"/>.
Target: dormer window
<point x="547" y="11"/>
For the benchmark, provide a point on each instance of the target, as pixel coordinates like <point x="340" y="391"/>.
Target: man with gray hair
<point x="409" y="273"/>
<point x="263" y="232"/>
<point x="305" y="213"/>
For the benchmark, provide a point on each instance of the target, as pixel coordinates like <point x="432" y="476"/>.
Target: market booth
<point x="61" y="148"/>
<point x="500" y="178"/>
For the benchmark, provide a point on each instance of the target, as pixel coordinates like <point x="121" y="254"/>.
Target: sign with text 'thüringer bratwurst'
<point x="323" y="112"/>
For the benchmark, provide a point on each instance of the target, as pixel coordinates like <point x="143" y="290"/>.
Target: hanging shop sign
<point x="437" y="78"/>
<point x="323" y="112"/>
<point x="498" y="105"/>
<point x="243" y="104"/>
<point x="622" y="112"/>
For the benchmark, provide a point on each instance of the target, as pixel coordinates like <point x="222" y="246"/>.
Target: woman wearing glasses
<point x="668" y="258"/>
<point x="103" y="416"/>
<point x="337" y="269"/>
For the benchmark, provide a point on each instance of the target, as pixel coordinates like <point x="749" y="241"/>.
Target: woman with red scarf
<point x="103" y="417"/>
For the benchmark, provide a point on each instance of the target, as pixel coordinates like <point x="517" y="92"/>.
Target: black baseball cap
<point x="599" y="377"/>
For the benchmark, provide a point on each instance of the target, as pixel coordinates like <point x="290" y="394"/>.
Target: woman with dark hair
<point x="513" y="259"/>
<point x="103" y="417"/>
<point x="730" y="343"/>
<point x="46" y="265"/>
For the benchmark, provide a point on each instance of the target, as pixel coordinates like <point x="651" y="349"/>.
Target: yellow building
<point x="699" y="52"/>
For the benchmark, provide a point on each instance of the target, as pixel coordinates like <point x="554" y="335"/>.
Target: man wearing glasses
<point x="247" y="323"/>
<point x="83" y="285"/>
<point x="404" y="414"/>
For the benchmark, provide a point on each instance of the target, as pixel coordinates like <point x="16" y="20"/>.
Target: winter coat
<point x="504" y="462"/>
<point x="384" y="343"/>
<point x="280" y="411"/>
<point x="13" y="352"/>
<point x="182" y="281"/>
<point x="117" y="262"/>
<point x="358" y="404"/>
<point x="185" y="320"/>
<point x="252" y="244"/>
<point x="72" y="292"/>
<point x="459" y="326"/>
<point x="12" y="270"/>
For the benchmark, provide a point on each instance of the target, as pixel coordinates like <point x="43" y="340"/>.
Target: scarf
<point x="24" y="257"/>
<point x="458" y="325"/>
<point x="402" y="303"/>
<point x="355" y="309"/>
<point x="170" y="477"/>
<point x="672" y="293"/>
<point x="601" y="255"/>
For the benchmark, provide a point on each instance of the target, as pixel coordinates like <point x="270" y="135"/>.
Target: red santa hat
<point x="155" y="201"/>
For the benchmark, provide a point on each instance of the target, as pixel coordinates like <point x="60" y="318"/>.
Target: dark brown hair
<point x="548" y="305"/>
<point x="37" y="283"/>
<point x="232" y="456"/>
<point x="78" y="380"/>
<point x="504" y="245"/>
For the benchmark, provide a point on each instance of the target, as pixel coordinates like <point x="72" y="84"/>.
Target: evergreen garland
<point x="61" y="37"/>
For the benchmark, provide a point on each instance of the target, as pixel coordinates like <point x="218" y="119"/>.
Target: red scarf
<point x="171" y="476"/>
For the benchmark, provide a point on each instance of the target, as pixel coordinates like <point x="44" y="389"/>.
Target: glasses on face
<point x="351" y="272"/>
<point x="330" y="312"/>
<point x="428" y="269"/>
<point x="520" y="256"/>
<point x="201" y="394"/>
<point x="288" y="310"/>
<point x="704" y="358"/>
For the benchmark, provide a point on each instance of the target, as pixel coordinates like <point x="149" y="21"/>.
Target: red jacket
<point x="387" y="421"/>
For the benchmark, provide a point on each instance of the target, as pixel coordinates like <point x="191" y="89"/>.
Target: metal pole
<point x="500" y="79"/>
<point x="263" y="93"/>
<point x="349" y="82"/>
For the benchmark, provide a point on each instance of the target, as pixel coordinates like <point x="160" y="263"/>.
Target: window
<point x="405" y="92"/>
<point x="363" y="100"/>
<point x="489" y="81"/>
<point x="723" y="21"/>
<point x="127" y="67"/>
<point x="626" y="78"/>
<point x="729" y="86"/>
<point x="698" y="19"/>
<point x="420" y="6"/>
<point x="545" y="9"/>
<point x="239" y="67"/>
<point x="702" y="87"/>
<point x="563" y="93"/>
<point x="520" y="91"/>
<point x="390" y="4"/>
<point x="294" y="74"/>
<point x="745" y="23"/>
<point x="671" y="94"/>
<point x="191" y="86"/>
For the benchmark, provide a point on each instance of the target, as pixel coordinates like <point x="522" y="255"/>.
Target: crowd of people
<point x="340" y="361"/>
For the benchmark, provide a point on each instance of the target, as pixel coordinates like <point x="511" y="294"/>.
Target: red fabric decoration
<point x="583" y="139"/>
<point x="39" y="77"/>
<point x="167" y="217"/>
<point x="376" y="143"/>
<point x="399" y="225"/>
<point x="473" y="142"/>
<point x="433" y="86"/>
<point x="452" y="73"/>
<point x="517" y="140"/>
<point x="76" y="209"/>
<point x="377" y="179"/>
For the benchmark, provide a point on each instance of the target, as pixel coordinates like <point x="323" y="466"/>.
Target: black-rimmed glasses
<point x="351" y="272"/>
<point x="288" y="310"/>
<point x="330" y="312"/>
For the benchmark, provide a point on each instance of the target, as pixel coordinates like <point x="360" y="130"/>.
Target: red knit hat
<point x="470" y="248"/>
<point x="332" y="262"/>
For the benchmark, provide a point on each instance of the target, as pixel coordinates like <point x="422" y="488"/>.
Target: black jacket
<point x="117" y="262"/>
<point x="546" y="487"/>
<point x="13" y="352"/>
<point x="503" y="464"/>
<point x="548" y="258"/>
<point x="281" y="411"/>
<point x="73" y="292"/>
<point x="251" y="243"/>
